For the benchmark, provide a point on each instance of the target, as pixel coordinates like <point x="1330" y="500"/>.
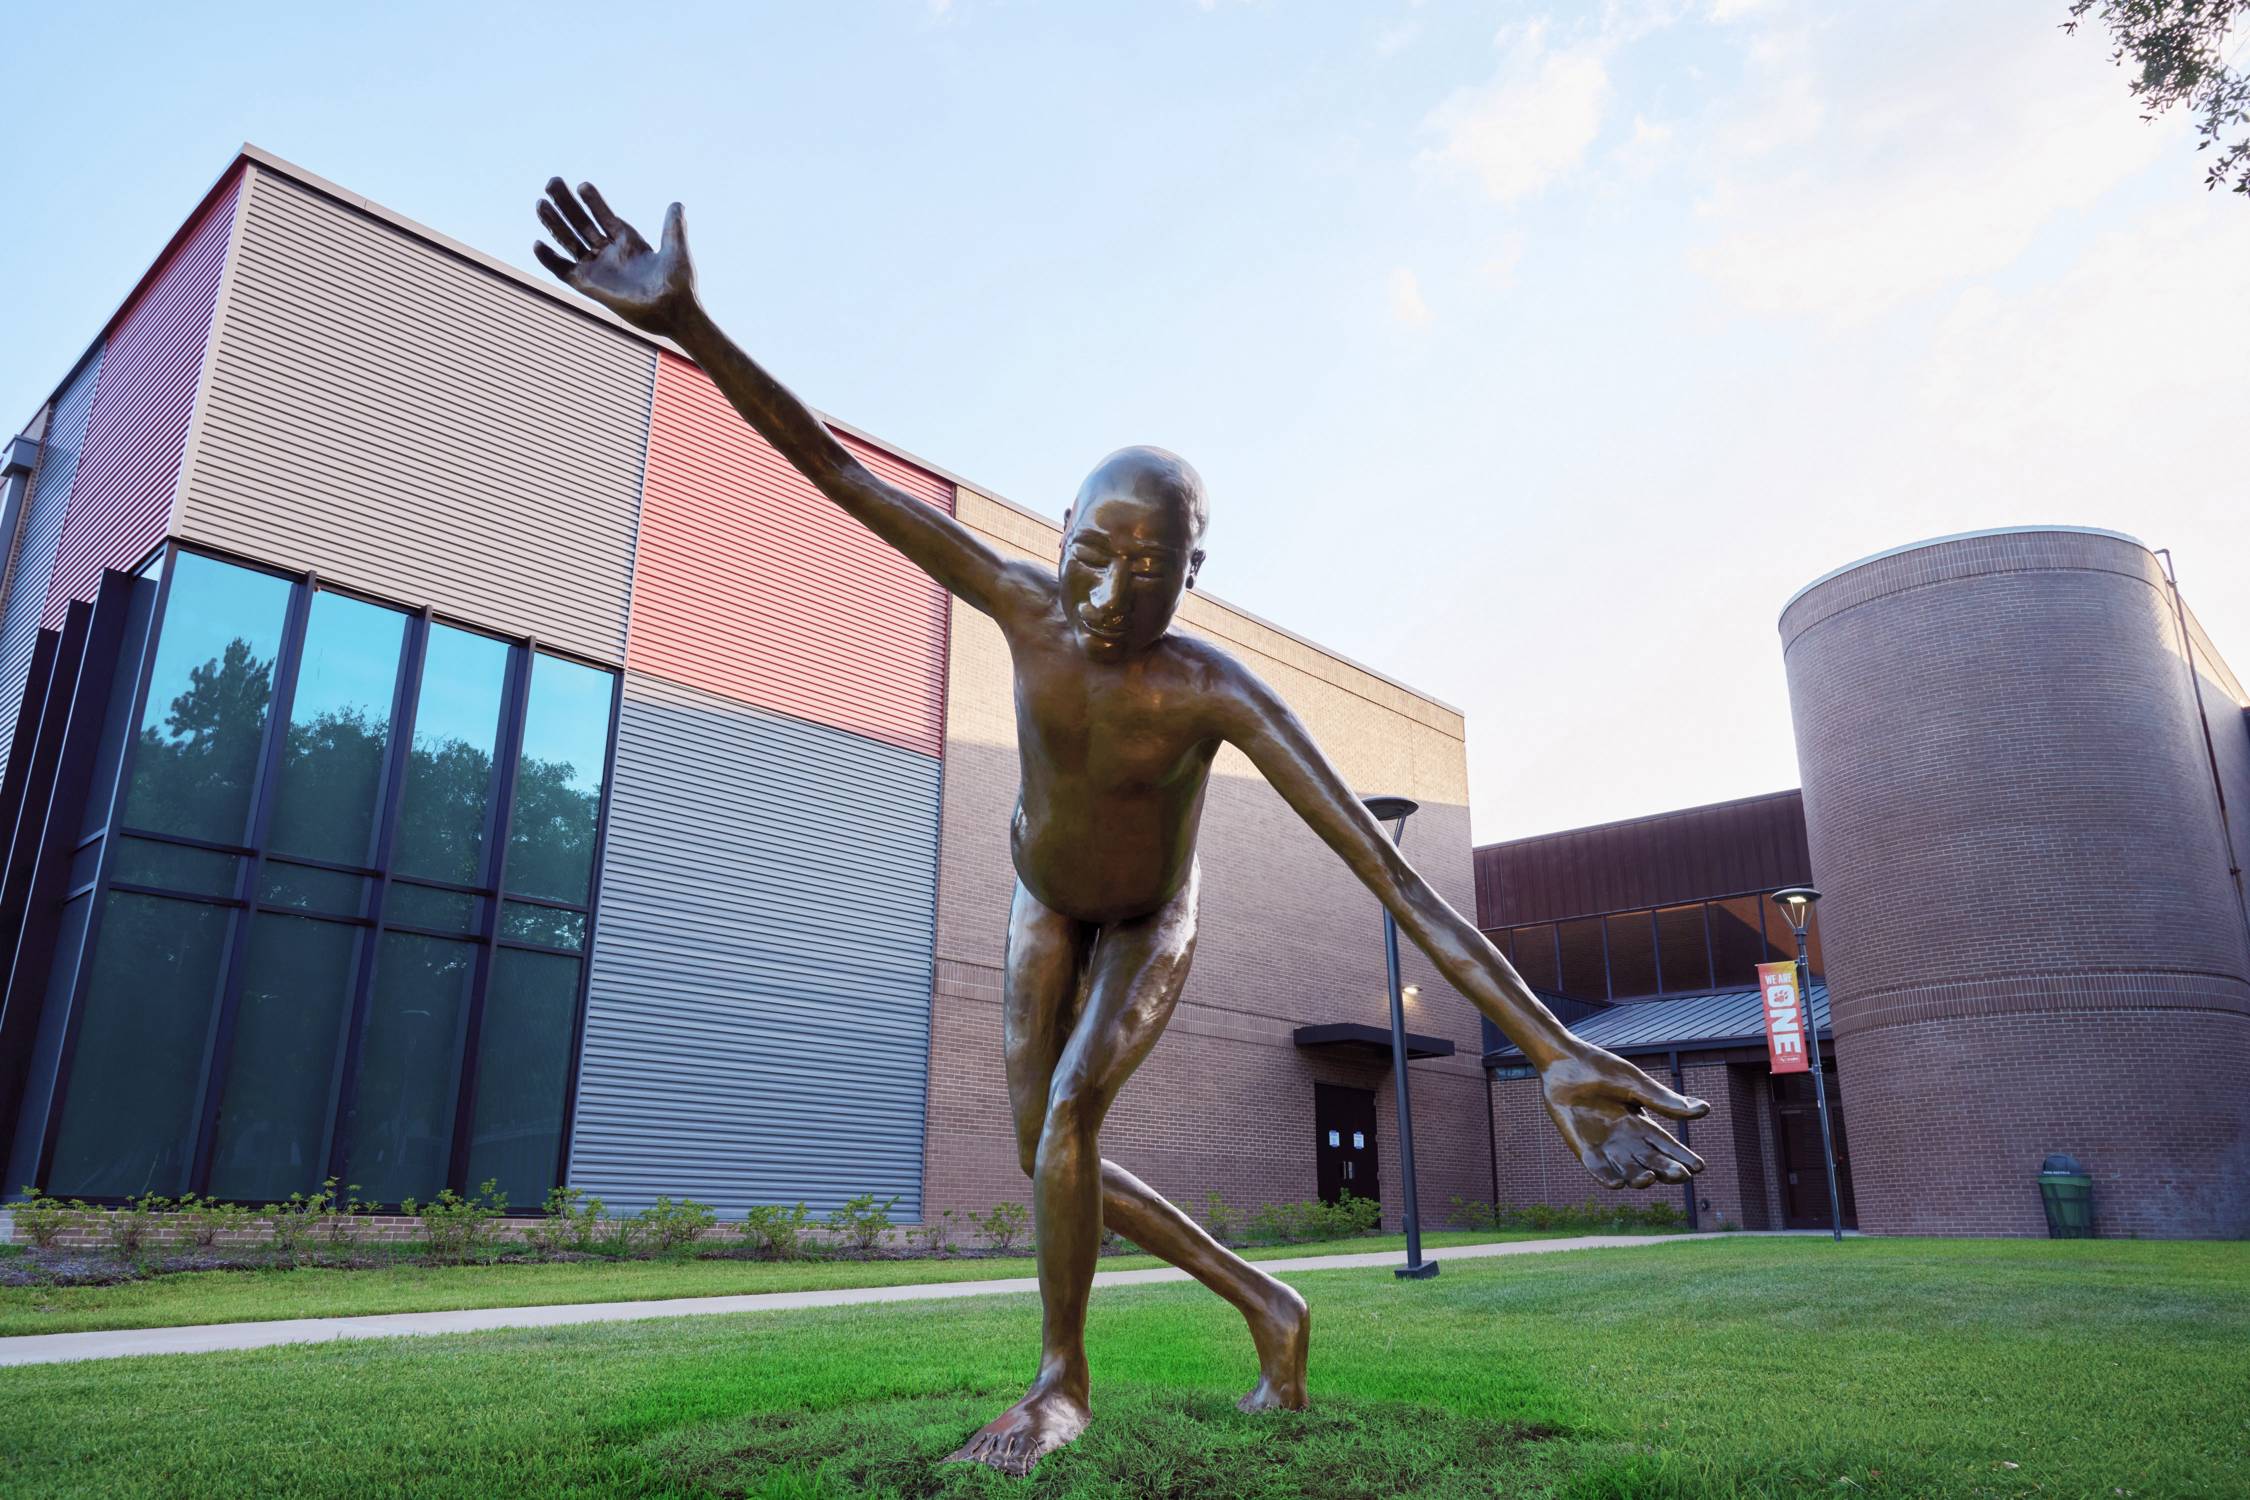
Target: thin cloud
<point x="1530" y="126"/>
<point x="1914" y="181"/>
<point x="1407" y="305"/>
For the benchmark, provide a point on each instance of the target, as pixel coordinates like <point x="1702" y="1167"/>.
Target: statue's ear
<point x="1195" y="566"/>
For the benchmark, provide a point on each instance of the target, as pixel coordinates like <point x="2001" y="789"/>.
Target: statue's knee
<point x="1072" y="1117"/>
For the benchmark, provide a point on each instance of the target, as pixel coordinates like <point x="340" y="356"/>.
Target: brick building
<point x="2026" y="801"/>
<point x="445" y="743"/>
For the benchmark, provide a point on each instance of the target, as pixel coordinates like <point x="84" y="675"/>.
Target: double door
<point x="1344" y="1119"/>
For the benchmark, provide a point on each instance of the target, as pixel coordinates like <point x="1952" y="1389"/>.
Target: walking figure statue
<point x="1118" y="718"/>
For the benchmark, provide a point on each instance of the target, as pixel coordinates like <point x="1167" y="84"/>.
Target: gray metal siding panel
<point x="757" y="1026"/>
<point x="37" y="537"/>
<point x="406" y="422"/>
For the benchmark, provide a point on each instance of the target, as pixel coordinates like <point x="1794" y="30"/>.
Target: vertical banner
<point x="1786" y="1018"/>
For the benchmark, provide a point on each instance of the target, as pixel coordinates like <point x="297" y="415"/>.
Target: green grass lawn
<point x="253" y="1296"/>
<point x="1727" y="1367"/>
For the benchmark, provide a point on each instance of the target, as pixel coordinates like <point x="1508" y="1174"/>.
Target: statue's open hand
<point x="1606" y="1108"/>
<point x="606" y="258"/>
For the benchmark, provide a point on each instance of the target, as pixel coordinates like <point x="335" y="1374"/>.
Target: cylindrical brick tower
<point x="2032" y="936"/>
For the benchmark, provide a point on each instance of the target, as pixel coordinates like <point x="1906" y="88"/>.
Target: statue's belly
<point x="1120" y="859"/>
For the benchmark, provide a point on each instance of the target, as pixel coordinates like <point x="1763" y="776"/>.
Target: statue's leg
<point x="1133" y="976"/>
<point x="1047" y="955"/>
<point x="1280" y="1323"/>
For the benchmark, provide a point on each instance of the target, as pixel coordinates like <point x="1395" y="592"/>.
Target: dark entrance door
<point x="1796" y="1130"/>
<point x="1345" y="1120"/>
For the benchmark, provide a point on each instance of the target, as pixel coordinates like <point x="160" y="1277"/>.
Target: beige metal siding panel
<point x="408" y="423"/>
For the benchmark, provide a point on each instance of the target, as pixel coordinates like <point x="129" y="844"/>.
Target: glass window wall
<point x="302" y="964"/>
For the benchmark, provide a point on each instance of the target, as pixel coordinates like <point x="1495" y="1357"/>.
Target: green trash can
<point x="2068" y="1193"/>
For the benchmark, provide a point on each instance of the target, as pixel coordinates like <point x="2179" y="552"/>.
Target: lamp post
<point x="1796" y="903"/>
<point x="1395" y="811"/>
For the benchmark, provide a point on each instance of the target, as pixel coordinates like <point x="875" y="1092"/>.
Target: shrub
<point x="46" y="1219"/>
<point x="569" y="1225"/>
<point x="459" y="1228"/>
<point x="1349" y="1216"/>
<point x="128" y="1226"/>
<point x="203" y="1220"/>
<point x="861" y="1222"/>
<point x="292" y="1220"/>
<point x="935" y="1236"/>
<point x="1003" y="1226"/>
<point x="1223" y="1218"/>
<point x="1474" y="1213"/>
<point x="621" y="1236"/>
<point x="673" y="1226"/>
<point x="777" y="1231"/>
<point x="1591" y="1215"/>
<point x="341" y="1227"/>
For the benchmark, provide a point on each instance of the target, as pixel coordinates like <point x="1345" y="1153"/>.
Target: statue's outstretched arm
<point x="1603" y="1105"/>
<point x="599" y="254"/>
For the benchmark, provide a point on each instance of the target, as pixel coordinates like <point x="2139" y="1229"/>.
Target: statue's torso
<point x="1115" y="760"/>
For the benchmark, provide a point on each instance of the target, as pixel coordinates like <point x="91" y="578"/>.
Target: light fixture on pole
<point x="1395" y="811"/>
<point x="1796" y="903"/>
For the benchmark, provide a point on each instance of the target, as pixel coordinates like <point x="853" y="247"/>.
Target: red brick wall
<point x="2033" y="944"/>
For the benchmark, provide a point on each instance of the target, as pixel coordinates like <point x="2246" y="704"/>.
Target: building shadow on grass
<point x="1144" y="1443"/>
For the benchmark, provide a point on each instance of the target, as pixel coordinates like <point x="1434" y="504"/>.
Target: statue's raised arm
<point x="653" y="287"/>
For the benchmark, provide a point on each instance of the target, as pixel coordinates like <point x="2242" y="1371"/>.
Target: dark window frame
<point x="524" y="652"/>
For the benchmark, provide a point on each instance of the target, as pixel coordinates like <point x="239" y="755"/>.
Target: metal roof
<point x="1715" y="1018"/>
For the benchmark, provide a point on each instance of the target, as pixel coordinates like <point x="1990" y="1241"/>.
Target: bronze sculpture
<point x="1118" y="720"/>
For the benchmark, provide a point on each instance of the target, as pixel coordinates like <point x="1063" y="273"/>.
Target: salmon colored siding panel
<point x="129" y="466"/>
<point x="752" y="585"/>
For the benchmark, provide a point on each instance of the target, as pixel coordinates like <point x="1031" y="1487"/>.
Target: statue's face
<point x="1126" y="559"/>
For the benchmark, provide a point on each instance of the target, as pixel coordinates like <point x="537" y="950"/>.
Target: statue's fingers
<point x="1662" y="1140"/>
<point x="566" y="239"/>
<point x="575" y="212"/>
<point x="560" y="265"/>
<point x="675" y="229"/>
<point x="1677" y="1106"/>
<point x="598" y="206"/>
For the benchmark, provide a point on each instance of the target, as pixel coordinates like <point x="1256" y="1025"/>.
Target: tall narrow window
<point x="530" y="1011"/>
<point x="128" y="1117"/>
<point x="195" y="760"/>
<point x="449" y="773"/>
<point x="401" y="1121"/>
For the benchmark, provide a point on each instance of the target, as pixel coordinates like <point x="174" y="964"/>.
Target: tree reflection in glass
<point x="559" y="783"/>
<point x="195" y="759"/>
<point x="339" y="731"/>
<point x="448" y="793"/>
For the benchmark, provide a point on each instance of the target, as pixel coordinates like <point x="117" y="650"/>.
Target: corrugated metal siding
<point x="129" y="468"/>
<point x="37" y="538"/>
<point x="404" y="421"/>
<point x="757" y="1027"/>
<point x="1724" y="849"/>
<point x="755" y="586"/>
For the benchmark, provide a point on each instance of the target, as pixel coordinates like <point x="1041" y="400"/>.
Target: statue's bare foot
<point x="1048" y="1416"/>
<point x="1281" y="1327"/>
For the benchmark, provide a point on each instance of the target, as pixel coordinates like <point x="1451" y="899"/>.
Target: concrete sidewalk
<point x="55" y="1348"/>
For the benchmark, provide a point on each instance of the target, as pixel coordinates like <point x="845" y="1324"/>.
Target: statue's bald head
<point x="1154" y="476"/>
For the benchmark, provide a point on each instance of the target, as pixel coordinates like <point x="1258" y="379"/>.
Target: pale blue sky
<point x="1532" y="357"/>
